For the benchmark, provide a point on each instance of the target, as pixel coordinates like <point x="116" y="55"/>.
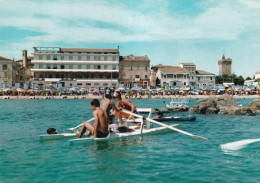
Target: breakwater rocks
<point x="224" y="105"/>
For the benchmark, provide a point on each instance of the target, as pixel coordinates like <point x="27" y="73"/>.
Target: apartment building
<point x="75" y="67"/>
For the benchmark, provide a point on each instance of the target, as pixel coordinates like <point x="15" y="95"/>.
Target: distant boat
<point x="177" y="104"/>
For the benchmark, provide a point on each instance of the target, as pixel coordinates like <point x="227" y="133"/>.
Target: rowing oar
<point x="81" y="124"/>
<point x="167" y="126"/>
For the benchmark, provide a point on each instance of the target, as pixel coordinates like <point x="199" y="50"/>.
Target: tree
<point x="219" y="79"/>
<point x="248" y="78"/>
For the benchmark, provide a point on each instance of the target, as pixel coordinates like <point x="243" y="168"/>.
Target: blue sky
<point x="167" y="31"/>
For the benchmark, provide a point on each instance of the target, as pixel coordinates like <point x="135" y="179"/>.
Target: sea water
<point x="172" y="157"/>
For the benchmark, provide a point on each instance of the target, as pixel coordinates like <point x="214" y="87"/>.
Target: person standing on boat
<point x="100" y="127"/>
<point x="109" y="107"/>
<point x="124" y="104"/>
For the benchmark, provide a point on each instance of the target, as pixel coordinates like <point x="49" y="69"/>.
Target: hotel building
<point x="74" y="67"/>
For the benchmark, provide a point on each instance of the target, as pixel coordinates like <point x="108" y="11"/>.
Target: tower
<point x="224" y="66"/>
<point x="24" y="58"/>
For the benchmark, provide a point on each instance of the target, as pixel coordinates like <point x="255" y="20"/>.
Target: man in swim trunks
<point x="109" y="107"/>
<point x="100" y="127"/>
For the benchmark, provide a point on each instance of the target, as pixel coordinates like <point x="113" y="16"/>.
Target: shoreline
<point x="90" y="96"/>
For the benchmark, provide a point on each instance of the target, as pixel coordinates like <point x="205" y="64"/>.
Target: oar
<point x="81" y="124"/>
<point x="167" y="126"/>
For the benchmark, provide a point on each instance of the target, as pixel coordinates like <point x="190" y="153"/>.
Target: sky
<point x="167" y="31"/>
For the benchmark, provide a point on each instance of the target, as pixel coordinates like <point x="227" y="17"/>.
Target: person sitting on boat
<point x="124" y="104"/>
<point x="100" y="127"/>
<point x="159" y="114"/>
<point x="109" y="107"/>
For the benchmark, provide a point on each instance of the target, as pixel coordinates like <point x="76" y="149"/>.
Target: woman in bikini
<point x="124" y="104"/>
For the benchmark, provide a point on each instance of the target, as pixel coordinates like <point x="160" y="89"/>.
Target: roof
<point x="201" y="72"/>
<point x="88" y="50"/>
<point x="3" y="58"/>
<point x="188" y="64"/>
<point x="160" y="66"/>
<point x="174" y="69"/>
<point x="134" y="58"/>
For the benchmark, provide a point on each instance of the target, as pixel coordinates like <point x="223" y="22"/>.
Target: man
<point x="100" y="128"/>
<point x="109" y="107"/>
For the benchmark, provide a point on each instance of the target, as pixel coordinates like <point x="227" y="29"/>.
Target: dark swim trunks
<point x="101" y="134"/>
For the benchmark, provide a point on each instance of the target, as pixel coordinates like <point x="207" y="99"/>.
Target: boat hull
<point x="152" y="131"/>
<point x="176" y="118"/>
<point x="57" y="136"/>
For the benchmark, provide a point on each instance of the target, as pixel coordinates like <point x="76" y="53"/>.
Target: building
<point x="11" y="73"/>
<point x="225" y="66"/>
<point x="134" y="71"/>
<point x="26" y="63"/>
<point x="204" y="78"/>
<point x="257" y="75"/>
<point x="191" y="68"/>
<point x="74" y="67"/>
<point x="171" y="75"/>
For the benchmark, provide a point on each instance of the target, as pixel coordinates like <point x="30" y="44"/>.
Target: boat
<point x="131" y="133"/>
<point x="176" y="118"/>
<point x="57" y="136"/>
<point x="177" y="104"/>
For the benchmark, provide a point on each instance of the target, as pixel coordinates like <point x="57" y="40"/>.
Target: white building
<point x="74" y="67"/>
<point x="257" y="75"/>
<point x="171" y="75"/>
<point x="204" y="78"/>
<point x="191" y="68"/>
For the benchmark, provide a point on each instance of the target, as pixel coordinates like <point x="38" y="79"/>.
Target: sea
<point x="172" y="157"/>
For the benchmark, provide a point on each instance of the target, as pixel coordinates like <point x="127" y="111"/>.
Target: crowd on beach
<point x="154" y="93"/>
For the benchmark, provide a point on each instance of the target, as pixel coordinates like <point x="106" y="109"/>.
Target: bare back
<point x="101" y="120"/>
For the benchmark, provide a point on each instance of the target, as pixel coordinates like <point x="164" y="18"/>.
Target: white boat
<point x="57" y="136"/>
<point x="177" y="104"/>
<point x="135" y="132"/>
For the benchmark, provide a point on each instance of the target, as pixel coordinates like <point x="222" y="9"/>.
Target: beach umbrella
<point x="161" y="88"/>
<point x="19" y="89"/>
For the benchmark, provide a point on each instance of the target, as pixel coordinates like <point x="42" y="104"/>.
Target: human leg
<point x="85" y="126"/>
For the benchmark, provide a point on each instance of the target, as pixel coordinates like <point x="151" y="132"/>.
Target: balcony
<point x="137" y="79"/>
<point x="5" y="79"/>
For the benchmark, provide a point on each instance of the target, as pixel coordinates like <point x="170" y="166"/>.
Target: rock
<point x="216" y="105"/>
<point x="254" y="106"/>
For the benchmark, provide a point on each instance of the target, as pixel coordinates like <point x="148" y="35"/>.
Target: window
<point x="131" y="67"/>
<point x="88" y="66"/>
<point x="137" y="76"/>
<point x="54" y="66"/>
<point x="105" y="58"/>
<point x="198" y="78"/>
<point x="192" y="77"/>
<point x="54" y="57"/>
<point x="95" y="58"/>
<point x="184" y="83"/>
<point x="130" y="78"/>
<point x="79" y="67"/>
<point x="40" y="66"/>
<point x="98" y="67"/>
<point x="48" y="57"/>
<point x="50" y="75"/>
<point x="79" y="84"/>
<point x="41" y="75"/>
<point x="48" y="66"/>
<point x="122" y="76"/>
<point x="137" y="67"/>
<point x="4" y="67"/>
<point x="70" y="66"/>
<point x="145" y="76"/>
<point x="62" y="66"/>
<point x="79" y="57"/>
<point x="5" y="74"/>
<point x="70" y="57"/>
<point x="57" y="76"/>
<point x="95" y="66"/>
<point x="114" y="67"/>
<point x="99" y="58"/>
<point x="105" y="66"/>
<point x="113" y="58"/>
<point x="88" y="83"/>
<point x="40" y="57"/>
<point x="145" y="67"/>
<point x="211" y="78"/>
<point x="122" y="67"/>
<point x="62" y="57"/>
<point x="88" y="57"/>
